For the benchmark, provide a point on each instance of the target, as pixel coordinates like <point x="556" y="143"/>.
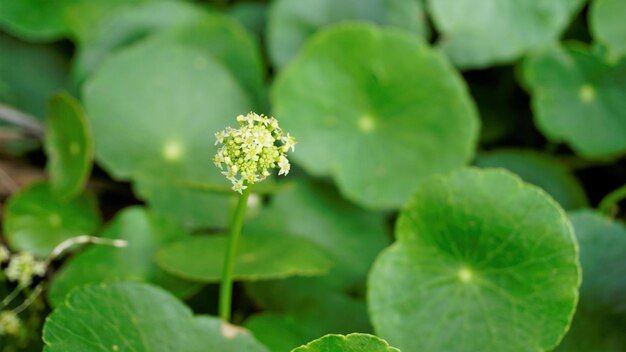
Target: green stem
<point x="234" y="231"/>
<point x="608" y="204"/>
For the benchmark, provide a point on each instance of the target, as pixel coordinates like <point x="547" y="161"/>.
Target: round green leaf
<point x="292" y="22"/>
<point x="377" y="109"/>
<point x="137" y="317"/>
<point x="606" y="18"/>
<point x="481" y="258"/>
<point x="580" y="98"/>
<point x="69" y="146"/>
<point x="36" y="220"/>
<point x="477" y="34"/>
<point x="145" y="233"/>
<point x="349" y="343"/>
<point x="48" y="20"/>
<point x="601" y="315"/>
<point x="539" y="169"/>
<point x="163" y="136"/>
<point x="258" y="258"/>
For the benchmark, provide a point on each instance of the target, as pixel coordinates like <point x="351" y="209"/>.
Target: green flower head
<point x="23" y="267"/>
<point x="249" y="152"/>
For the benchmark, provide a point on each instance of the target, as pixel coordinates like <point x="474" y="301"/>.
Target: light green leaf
<point x="176" y="125"/>
<point x="49" y="20"/>
<point x="606" y="19"/>
<point x="69" y="146"/>
<point x="145" y="233"/>
<point x="481" y="258"/>
<point x="292" y="22"/>
<point x="259" y="257"/>
<point x="128" y="27"/>
<point x="601" y="315"/>
<point x="377" y="109"/>
<point x="580" y="98"/>
<point x="137" y="317"/>
<point x="349" y="343"/>
<point x="539" y="169"/>
<point x="478" y="34"/>
<point x="36" y="220"/>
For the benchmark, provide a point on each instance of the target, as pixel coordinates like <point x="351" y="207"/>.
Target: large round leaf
<point x="259" y="257"/>
<point x="539" y="169"/>
<point x="478" y="34"/>
<point x="377" y="109"/>
<point x="580" y="98"/>
<point x="607" y="24"/>
<point x="481" y="258"/>
<point x="163" y="135"/>
<point x="292" y="22"/>
<point x="137" y="317"/>
<point x="601" y="315"/>
<point x="349" y="343"/>
<point x="145" y="233"/>
<point x="69" y="146"/>
<point x="36" y="220"/>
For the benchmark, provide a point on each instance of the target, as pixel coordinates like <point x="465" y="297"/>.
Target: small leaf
<point x="128" y="316"/>
<point x="606" y="19"/>
<point x="349" y="343"/>
<point x="580" y="98"/>
<point x="385" y="95"/>
<point x="480" y="34"/>
<point x="145" y="233"/>
<point x="541" y="170"/>
<point x="259" y="257"/>
<point x="481" y="258"/>
<point x="292" y="22"/>
<point x="36" y="220"/>
<point x="69" y="146"/>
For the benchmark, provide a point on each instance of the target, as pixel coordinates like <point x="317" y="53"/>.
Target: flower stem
<point x="609" y="204"/>
<point x="234" y="231"/>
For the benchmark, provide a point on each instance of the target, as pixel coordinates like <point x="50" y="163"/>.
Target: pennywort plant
<point x="246" y="155"/>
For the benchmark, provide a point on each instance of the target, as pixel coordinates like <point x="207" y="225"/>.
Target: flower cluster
<point x="248" y="152"/>
<point x="10" y="324"/>
<point x="23" y="267"/>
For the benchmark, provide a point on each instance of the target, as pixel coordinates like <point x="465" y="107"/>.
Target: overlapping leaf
<point x="579" y="97"/>
<point x="137" y="317"/>
<point x="377" y="109"/>
<point x="349" y="343"/>
<point x="539" y="169"/>
<point x="481" y="258"/>
<point x="601" y="313"/>
<point x="292" y="22"/>
<point x="606" y="18"/>
<point x="478" y="34"/>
